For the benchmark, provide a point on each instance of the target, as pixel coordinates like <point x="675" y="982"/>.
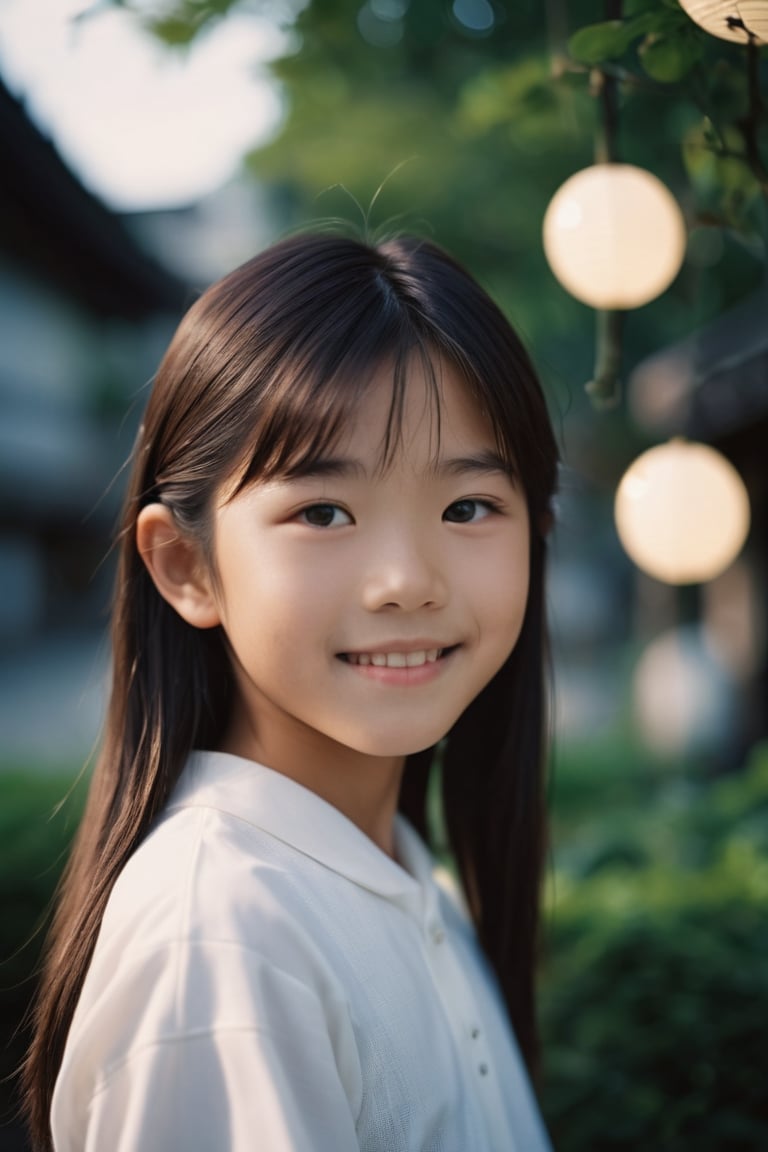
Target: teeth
<point x="395" y="659"/>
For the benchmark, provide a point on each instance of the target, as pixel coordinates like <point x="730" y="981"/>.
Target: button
<point x="437" y="932"/>
<point x="475" y="1033"/>
<point x="483" y="1069"/>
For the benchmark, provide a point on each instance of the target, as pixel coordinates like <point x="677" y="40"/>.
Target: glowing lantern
<point x="614" y="236"/>
<point x="731" y="19"/>
<point x="682" y="512"/>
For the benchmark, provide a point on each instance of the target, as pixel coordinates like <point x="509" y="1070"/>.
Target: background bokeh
<point x="148" y="148"/>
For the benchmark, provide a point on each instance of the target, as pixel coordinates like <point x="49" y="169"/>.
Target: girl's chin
<point x="388" y="748"/>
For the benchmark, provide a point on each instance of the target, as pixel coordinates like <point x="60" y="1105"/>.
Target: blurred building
<point x="208" y="238"/>
<point x="84" y="315"/>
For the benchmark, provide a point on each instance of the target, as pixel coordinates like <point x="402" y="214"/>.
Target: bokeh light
<point x="682" y="696"/>
<point x="682" y="512"/>
<point x="614" y="236"/>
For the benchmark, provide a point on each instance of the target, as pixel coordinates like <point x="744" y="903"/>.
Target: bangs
<point x="309" y="412"/>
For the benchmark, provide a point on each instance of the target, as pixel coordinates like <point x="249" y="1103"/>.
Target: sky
<point x="142" y="126"/>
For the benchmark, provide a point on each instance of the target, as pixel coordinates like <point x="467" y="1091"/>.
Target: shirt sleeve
<point x="220" y="1051"/>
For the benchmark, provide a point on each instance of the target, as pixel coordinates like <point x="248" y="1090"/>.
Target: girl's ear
<point x="177" y="567"/>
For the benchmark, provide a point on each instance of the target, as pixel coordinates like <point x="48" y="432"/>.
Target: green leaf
<point x="598" y="42"/>
<point x="174" y="31"/>
<point x="178" y="26"/>
<point x="608" y="40"/>
<point x="668" y="59"/>
<point x="720" y="173"/>
<point x="674" y="19"/>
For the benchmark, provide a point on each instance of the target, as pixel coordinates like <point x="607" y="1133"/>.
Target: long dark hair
<point x="259" y="379"/>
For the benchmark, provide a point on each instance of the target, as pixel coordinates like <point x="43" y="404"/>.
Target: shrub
<point x="36" y="829"/>
<point x="655" y="988"/>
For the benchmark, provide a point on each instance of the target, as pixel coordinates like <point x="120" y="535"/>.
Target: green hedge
<point x="38" y="818"/>
<point x="654" y="992"/>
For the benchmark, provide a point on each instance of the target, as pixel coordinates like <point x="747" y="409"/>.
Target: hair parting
<point x="261" y="376"/>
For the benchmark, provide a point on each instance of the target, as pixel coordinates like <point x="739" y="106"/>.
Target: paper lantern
<point x="732" y="20"/>
<point x="682" y="512"/>
<point x="614" y="236"/>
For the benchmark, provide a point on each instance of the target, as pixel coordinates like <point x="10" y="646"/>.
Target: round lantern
<point x="732" y="20"/>
<point x="682" y="512"/>
<point x="614" y="236"/>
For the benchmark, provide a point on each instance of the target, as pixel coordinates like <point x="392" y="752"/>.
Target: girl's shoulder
<point x="205" y="929"/>
<point x="201" y="957"/>
<point x="208" y="880"/>
<point x="243" y="857"/>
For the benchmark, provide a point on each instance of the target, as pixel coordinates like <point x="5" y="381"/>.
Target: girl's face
<point x="366" y="607"/>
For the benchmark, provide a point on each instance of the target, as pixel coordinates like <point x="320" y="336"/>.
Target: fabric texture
<point x="266" y="979"/>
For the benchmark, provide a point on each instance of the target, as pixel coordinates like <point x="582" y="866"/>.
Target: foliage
<point x="38" y="818"/>
<point x="718" y="87"/>
<point x="471" y="114"/>
<point x="655" y="986"/>
<point x="653" y="1023"/>
<point x="670" y="44"/>
<point x="509" y="85"/>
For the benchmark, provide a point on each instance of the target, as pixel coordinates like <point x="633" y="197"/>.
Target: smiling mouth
<point x="397" y="659"/>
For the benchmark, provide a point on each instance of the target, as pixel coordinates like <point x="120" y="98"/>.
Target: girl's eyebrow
<point x="485" y="462"/>
<point x="327" y="466"/>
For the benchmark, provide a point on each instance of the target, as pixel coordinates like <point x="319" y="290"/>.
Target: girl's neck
<point x="364" y="788"/>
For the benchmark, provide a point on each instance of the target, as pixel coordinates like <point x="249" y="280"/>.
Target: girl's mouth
<point x="413" y="659"/>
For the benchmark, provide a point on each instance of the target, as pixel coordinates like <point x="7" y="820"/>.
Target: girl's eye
<point x="325" y="516"/>
<point x="467" y="511"/>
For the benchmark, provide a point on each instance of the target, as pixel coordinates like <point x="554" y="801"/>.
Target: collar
<point x="287" y="810"/>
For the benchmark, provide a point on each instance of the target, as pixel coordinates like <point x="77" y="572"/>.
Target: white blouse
<point x="267" y="980"/>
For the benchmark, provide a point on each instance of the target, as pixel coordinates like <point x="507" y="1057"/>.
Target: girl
<point x="332" y="563"/>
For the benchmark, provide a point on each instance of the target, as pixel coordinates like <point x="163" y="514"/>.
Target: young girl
<point x="331" y="580"/>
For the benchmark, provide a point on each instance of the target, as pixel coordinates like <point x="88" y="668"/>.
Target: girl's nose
<point x="404" y="573"/>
